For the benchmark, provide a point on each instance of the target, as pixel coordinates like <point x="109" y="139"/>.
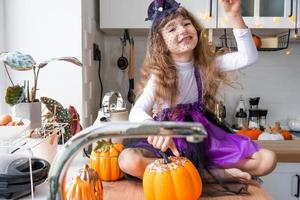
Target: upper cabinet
<point x="205" y="11"/>
<point x="264" y="14"/>
<point x="124" y="14"/>
<point x="132" y="13"/>
<point x="298" y="14"/>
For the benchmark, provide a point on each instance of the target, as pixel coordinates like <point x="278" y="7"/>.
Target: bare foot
<point x="228" y="175"/>
<point x="243" y="177"/>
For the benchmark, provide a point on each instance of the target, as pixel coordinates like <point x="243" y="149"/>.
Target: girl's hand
<point x="231" y="7"/>
<point x="163" y="142"/>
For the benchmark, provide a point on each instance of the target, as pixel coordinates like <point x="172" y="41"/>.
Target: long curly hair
<point x="159" y="62"/>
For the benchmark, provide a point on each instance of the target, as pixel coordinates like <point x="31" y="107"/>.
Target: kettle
<point x="113" y="111"/>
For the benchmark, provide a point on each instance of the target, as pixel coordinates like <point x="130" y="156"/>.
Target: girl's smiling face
<point x="181" y="38"/>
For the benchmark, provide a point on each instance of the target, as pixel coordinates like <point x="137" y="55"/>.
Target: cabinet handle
<point x="298" y="186"/>
<point x="210" y="8"/>
<point x="292" y="6"/>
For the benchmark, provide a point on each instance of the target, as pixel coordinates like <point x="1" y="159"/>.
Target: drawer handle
<point x="210" y="8"/>
<point x="298" y="186"/>
<point x="292" y="6"/>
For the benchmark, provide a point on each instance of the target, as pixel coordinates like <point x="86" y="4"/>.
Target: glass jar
<point x="263" y="119"/>
<point x="240" y="119"/>
<point x="253" y="118"/>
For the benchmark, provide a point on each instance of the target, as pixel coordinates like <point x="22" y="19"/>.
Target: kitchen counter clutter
<point x="133" y="190"/>
<point x="119" y="189"/>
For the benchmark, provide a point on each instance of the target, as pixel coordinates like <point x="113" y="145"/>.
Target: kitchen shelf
<point x="276" y="42"/>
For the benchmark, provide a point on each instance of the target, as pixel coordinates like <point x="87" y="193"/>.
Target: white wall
<point x="274" y="78"/>
<point x="91" y="34"/>
<point x="3" y="106"/>
<point x="47" y="29"/>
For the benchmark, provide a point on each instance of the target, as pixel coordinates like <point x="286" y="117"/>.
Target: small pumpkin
<point x="270" y="136"/>
<point x="253" y="134"/>
<point x="285" y="133"/>
<point x="85" y="186"/>
<point x="104" y="159"/>
<point x="257" y="41"/>
<point x="172" y="178"/>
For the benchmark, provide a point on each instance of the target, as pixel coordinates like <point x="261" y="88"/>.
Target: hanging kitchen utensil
<point x="131" y="95"/>
<point x="122" y="61"/>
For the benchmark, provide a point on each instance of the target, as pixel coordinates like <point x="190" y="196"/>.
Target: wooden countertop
<point x="133" y="190"/>
<point x="286" y="150"/>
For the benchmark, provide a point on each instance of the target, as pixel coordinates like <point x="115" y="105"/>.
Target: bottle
<point x="241" y="104"/>
<point x="253" y="118"/>
<point x="240" y="119"/>
<point x="220" y="111"/>
<point x="263" y="119"/>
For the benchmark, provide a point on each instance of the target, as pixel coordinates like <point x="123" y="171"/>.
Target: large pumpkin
<point x="104" y="159"/>
<point x="253" y="134"/>
<point x="85" y="186"/>
<point x="175" y="179"/>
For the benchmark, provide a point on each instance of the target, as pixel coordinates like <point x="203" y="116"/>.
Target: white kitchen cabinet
<point x="132" y="13"/>
<point x="124" y="14"/>
<point x="283" y="182"/>
<point x="264" y="14"/>
<point x="298" y="15"/>
<point x="205" y="11"/>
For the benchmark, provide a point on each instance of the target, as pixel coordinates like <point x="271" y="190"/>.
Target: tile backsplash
<point x="275" y="78"/>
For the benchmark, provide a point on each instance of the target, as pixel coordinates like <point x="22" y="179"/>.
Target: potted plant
<point x="22" y="97"/>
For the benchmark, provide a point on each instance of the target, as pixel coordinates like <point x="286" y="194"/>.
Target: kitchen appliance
<point x="254" y="102"/>
<point x="15" y="175"/>
<point x="113" y="108"/>
<point x="253" y="118"/>
<point x="263" y="118"/>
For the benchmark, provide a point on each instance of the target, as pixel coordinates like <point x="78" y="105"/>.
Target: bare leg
<point x="259" y="164"/>
<point x="133" y="161"/>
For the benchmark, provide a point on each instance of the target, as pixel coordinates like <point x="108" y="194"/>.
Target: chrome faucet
<point x="193" y="132"/>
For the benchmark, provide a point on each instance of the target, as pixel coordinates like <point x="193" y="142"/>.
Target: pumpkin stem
<point x="165" y="157"/>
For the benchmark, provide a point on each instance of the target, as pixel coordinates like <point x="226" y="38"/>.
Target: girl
<point x="180" y="79"/>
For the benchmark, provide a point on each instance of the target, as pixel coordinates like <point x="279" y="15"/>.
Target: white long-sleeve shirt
<point x="187" y="85"/>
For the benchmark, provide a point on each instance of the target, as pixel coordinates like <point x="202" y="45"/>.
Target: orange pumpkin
<point x="286" y="134"/>
<point x="85" y="186"/>
<point x="251" y="133"/>
<point x="176" y="179"/>
<point x="257" y="41"/>
<point x="104" y="159"/>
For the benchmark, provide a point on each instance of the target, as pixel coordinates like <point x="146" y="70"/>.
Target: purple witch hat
<point x="160" y="9"/>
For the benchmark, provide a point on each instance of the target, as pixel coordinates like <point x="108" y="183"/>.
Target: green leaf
<point x="103" y="146"/>
<point x="18" y="61"/>
<point x="14" y="95"/>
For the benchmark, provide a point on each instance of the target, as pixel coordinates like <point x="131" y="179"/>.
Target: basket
<point x="273" y="43"/>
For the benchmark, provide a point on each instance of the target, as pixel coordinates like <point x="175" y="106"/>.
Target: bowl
<point x="294" y="124"/>
<point x="11" y="132"/>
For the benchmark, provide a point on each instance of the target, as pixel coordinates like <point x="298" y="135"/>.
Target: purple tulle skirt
<point x="219" y="149"/>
